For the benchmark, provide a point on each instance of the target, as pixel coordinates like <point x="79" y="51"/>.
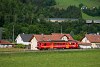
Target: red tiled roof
<point x="4" y="42"/>
<point x="93" y="38"/>
<point x="53" y="36"/>
<point x="42" y="37"/>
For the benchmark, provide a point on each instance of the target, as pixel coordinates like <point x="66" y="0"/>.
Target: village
<point x="30" y="41"/>
<point x="89" y="41"/>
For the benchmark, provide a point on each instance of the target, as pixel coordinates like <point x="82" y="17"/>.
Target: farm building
<point x="60" y="19"/>
<point x="23" y="39"/>
<point x="5" y="44"/>
<point x="93" y="39"/>
<point x="53" y="36"/>
<point x="92" y="21"/>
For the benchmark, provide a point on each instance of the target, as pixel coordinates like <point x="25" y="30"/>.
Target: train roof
<point x="59" y="41"/>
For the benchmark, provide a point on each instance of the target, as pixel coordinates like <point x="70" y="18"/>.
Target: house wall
<point x="96" y="45"/>
<point x="34" y="44"/>
<point x="20" y="41"/>
<point x="85" y="40"/>
<point x="64" y="38"/>
<point x="5" y="46"/>
<point x="84" y="46"/>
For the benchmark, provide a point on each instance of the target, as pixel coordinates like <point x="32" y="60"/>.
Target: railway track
<point x="50" y="50"/>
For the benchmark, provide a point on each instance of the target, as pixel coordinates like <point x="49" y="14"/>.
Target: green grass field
<point x="87" y="17"/>
<point x="83" y="58"/>
<point x="66" y="3"/>
<point x="89" y="3"/>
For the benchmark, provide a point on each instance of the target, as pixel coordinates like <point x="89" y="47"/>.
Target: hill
<point x="88" y="3"/>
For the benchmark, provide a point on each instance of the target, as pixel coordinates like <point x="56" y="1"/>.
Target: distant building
<point x="5" y="44"/>
<point x="84" y="7"/>
<point x="92" y="21"/>
<point x="60" y="19"/>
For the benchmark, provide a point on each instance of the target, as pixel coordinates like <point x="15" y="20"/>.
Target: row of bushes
<point x="19" y="46"/>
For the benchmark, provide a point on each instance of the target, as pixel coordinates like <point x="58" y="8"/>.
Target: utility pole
<point x="13" y="33"/>
<point x="0" y="33"/>
<point x="61" y="29"/>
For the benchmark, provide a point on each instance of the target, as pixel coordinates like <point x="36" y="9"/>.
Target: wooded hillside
<point x="27" y="16"/>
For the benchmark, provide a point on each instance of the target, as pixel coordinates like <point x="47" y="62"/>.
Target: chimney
<point x="97" y="33"/>
<point x="42" y="36"/>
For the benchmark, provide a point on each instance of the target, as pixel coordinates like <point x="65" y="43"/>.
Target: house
<point x="60" y="19"/>
<point x="23" y="39"/>
<point x="5" y="44"/>
<point x="84" y="7"/>
<point x="53" y="36"/>
<point x="93" y="39"/>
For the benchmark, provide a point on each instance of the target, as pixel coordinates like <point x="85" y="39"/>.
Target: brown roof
<point x="4" y="42"/>
<point x="53" y="36"/>
<point x="58" y="36"/>
<point x="93" y="38"/>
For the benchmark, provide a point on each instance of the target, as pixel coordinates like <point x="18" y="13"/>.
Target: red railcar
<point x="57" y="44"/>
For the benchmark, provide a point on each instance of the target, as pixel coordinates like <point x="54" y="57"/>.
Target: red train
<point x="57" y="44"/>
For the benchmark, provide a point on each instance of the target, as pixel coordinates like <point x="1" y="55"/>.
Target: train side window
<point x="72" y="43"/>
<point x="55" y="43"/>
<point x="44" y="44"/>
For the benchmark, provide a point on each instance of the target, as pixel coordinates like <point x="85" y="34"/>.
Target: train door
<point x="67" y="45"/>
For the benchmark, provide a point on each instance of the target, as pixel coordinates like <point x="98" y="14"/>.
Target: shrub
<point x="20" y="46"/>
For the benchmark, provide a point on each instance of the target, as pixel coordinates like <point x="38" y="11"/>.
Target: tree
<point x="80" y="5"/>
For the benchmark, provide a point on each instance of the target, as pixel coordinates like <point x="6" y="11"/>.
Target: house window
<point x="98" y="45"/>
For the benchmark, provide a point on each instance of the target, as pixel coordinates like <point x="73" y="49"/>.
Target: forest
<point x="28" y="16"/>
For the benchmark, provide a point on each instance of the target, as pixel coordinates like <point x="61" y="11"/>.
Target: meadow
<point x="82" y="58"/>
<point x="88" y="3"/>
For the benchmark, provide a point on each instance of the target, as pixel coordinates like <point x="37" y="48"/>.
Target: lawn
<point x="66" y="3"/>
<point x="87" y="17"/>
<point x="11" y="49"/>
<point x="83" y="58"/>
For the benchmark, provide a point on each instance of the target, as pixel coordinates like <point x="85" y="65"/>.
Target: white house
<point x="53" y="36"/>
<point x="23" y="39"/>
<point x="93" y="39"/>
